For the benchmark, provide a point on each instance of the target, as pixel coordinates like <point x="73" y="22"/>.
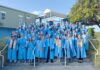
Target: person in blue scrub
<point x="30" y="50"/>
<point x="22" y="48"/>
<point x="12" y="49"/>
<point x="81" y="52"/>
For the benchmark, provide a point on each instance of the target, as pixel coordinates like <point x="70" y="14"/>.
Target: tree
<point x="85" y="10"/>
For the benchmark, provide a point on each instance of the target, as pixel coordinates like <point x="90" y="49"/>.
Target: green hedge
<point x="91" y="32"/>
<point x="3" y="42"/>
<point x="2" y="45"/>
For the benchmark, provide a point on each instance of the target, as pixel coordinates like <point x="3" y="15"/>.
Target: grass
<point x="95" y="42"/>
<point x="97" y="35"/>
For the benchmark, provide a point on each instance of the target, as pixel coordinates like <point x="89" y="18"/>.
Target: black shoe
<point x="47" y="61"/>
<point x="80" y="61"/>
<point x="51" y="61"/>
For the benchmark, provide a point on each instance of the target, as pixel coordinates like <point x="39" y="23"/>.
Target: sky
<point x="61" y="6"/>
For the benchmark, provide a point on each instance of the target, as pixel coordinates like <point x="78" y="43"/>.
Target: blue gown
<point x="81" y="52"/>
<point x="30" y="50"/>
<point x="51" y="44"/>
<point x="40" y="49"/>
<point x="62" y="45"/>
<point x="22" y="49"/>
<point x="58" y="51"/>
<point x="62" y="41"/>
<point x="73" y="51"/>
<point x="69" y="48"/>
<point x="74" y="42"/>
<point x="46" y="48"/>
<point x="12" y="52"/>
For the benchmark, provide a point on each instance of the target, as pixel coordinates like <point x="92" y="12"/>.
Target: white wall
<point x="96" y="28"/>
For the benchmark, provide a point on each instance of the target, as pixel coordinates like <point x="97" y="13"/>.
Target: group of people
<point x="46" y="42"/>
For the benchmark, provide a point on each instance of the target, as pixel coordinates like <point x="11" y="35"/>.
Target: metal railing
<point x="2" y="56"/>
<point x="65" y="57"/>
<point x="94" y="46"/>
<point x="65" y="61"/>
<point x="34" y="56"/>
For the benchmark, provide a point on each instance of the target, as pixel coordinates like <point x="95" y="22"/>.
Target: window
<point x="20" y="19"/>
<point x="28" y="20"/>
<point x="2" y="15"/>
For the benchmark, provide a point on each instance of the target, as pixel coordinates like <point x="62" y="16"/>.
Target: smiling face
<point x="13" y="37"/>
<point x="79" y="36"/>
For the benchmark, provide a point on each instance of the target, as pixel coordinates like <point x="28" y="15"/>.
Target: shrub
<point x="3" y="42"/>
<point x="91" y="32"/>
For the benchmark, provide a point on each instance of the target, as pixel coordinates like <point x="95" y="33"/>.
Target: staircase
<point x="50" y="66"/>
<point x="57" y="65"/>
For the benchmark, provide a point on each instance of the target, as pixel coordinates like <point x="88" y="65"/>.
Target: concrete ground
<point x="51" y="66"/>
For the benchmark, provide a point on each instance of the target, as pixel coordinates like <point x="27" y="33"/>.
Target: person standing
<point x="58" y="48"/>
<point x="22" y="49"/>
<point x="46" y="50"/>
<point x="81" y="52"/>
<point x="51" y="45"/>
<point x="12" y="49"/>
<point x="69" y="48"/>
<point x="30" y="47"/>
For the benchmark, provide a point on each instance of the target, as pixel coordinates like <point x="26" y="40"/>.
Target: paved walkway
<point x="50" y="66"/>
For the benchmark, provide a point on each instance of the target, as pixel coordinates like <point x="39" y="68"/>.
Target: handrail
<point x="4" y="48"/>
<point x="2" y="55"/>
<point x="65" y="56"/>
<point x="34" y="56"/>
<point x="95" y="48"/>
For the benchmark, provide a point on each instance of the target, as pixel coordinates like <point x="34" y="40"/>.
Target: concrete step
<point x="56" y="62"/>
<point x="49" y="64"/>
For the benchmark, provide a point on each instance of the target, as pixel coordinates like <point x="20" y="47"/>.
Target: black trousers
<point x="48" y="55"/>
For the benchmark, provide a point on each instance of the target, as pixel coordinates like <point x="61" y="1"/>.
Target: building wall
<point x="12" y="17"/>
<point x="4" y="32"/>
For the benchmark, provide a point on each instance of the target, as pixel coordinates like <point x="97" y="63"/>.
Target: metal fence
<point x="65" y="58"/>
